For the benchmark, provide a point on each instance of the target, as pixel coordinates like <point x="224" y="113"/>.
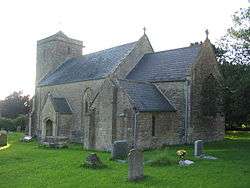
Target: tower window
<point x="153" y="125"/>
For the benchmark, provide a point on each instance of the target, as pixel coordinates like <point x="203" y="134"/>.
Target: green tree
<point x="15" y="104"/>
<point x="236" y="43"/>
<point x="233" y="53"/>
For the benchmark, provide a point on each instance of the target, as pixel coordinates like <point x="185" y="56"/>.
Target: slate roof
<point x="168" y="65"/>
<point x="145" y="96"/>
<point x="88" y="67"/>
<point x="61" y="105"/>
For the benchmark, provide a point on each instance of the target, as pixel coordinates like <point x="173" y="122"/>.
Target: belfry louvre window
<point x="153" y="125"/>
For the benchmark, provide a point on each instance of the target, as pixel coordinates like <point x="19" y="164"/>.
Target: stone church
<point x="127" y="92"/>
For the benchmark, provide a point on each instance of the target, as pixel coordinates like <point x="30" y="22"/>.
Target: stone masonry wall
<point x="166" y="131"/>
<point x="73" y="92"/>
<point x="64" y="124"/>
<point x="175" y="92"/>
<point x="203" y="127"/>
<point x="125" y="118"/>
<point x="103" y="117"/>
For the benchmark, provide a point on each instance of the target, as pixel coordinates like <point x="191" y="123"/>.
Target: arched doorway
<point x="49" y="128"/>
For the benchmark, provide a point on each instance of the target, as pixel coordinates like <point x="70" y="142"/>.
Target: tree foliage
<point x="235" y="45"/>
<point x="233" y="53"/>
<point x="15" y="104"/>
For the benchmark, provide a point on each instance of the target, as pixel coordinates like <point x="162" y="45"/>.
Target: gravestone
<point x="119" y="150"/>
<point x="135" y="165"/>
<point x="3" y="138"/>
<point x="18" y="128"/>
<point x="93" y="161"/>
<point x="198" y="148"/>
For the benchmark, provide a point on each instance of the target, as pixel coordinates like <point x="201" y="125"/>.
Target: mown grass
<point x="28" y="165"/>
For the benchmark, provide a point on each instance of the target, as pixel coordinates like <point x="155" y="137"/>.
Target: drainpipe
<point x="135" y="127"/>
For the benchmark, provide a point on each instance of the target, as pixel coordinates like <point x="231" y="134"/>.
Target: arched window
<point x="49" y="128"/>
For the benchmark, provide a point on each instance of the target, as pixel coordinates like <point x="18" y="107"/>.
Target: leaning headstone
<point x="93" y="161"/>
<point x="198" y="148"/>
<point x="135" y="165"/>
<point x="119" y="150"/>
<point x="3" y="138"/>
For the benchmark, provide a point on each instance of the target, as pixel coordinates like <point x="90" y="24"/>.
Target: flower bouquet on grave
<point x="181" y="154"/>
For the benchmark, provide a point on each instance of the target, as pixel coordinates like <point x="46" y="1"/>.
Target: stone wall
<point x="64" y="124"/>
<point x="166" y="131"/>
<point x="125" y="118"/>
<point x="73" y="92"/>
<point x="103" y="117"/>
<point x="203" y="127"/>
<point x="176" y="93"/>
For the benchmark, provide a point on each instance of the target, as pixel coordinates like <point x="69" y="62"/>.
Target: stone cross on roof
<point x="206" y="33"/>
<point x="144" y="30"/>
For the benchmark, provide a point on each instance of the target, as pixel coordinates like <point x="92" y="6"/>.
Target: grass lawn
<point x="28" y="165"/>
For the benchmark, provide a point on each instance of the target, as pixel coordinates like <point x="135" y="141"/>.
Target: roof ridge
<point x="162" y="51"/>
<point x="107" y="49"/>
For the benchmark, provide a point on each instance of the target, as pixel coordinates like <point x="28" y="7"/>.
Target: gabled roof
<point x="145" y="96"/>
<point x="171" y="65"/>
<point x="88" y="67"/>
<point x="60" y="105"/>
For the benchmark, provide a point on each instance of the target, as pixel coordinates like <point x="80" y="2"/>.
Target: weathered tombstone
<point x="198" y="148"/>
<point x="18" y="128"/>
<point x="3" y="138"/>
<point x="93" y="161"/>
<point x="119" y="150"/>
<point x="135" y="165"/>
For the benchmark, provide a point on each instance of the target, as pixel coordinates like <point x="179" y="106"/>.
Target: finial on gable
<point x="206" y="31"/>
<point x="144" y="30"/>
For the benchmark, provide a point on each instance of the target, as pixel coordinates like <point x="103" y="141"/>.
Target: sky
<point x="102" y="24"/>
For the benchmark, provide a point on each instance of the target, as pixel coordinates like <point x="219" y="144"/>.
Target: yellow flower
<point x="181" y="152"/>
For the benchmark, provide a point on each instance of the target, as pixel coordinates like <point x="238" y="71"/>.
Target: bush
<point x="7" y="124"/>
<point x="21" y="121"/>
<point x="12" y="124"/>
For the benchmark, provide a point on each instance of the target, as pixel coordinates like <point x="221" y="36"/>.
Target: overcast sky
<point x="101" y="24"/>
